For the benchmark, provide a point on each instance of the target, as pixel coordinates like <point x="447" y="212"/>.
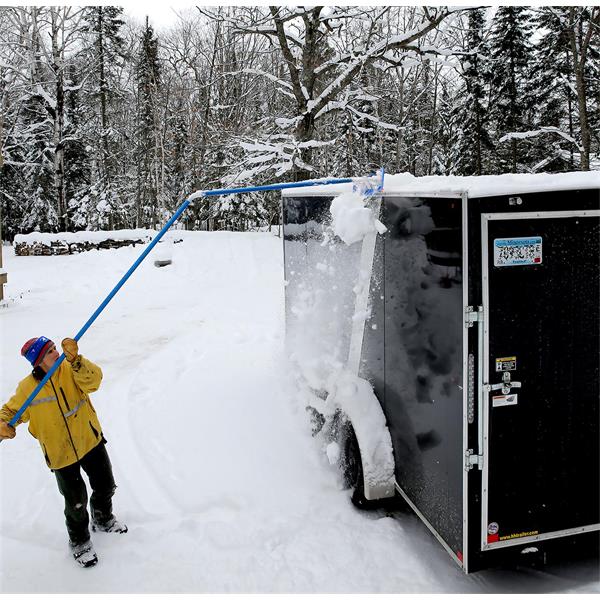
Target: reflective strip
<point x="41" y="400"/>
<point x="72" y="412"/>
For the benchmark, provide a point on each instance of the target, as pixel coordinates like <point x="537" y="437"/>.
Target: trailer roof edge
<point x="405" y="184"/>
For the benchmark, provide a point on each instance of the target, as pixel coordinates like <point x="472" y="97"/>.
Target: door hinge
<point x="472" y="315"/>
<point x="473" y="460"/>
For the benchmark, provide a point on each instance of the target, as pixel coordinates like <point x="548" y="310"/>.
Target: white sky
<point x="161" y="14"/>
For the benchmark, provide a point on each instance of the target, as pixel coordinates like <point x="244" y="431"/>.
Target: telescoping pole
<point x="136" y="264"/>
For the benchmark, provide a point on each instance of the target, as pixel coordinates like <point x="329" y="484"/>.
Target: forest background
<point x="105" y="124"/>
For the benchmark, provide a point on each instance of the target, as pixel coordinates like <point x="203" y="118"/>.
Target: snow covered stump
<point x="162" y="263"/>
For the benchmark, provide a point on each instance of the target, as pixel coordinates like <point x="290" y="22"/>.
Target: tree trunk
<point x="580" y="41"/>
<point x="433" y="121"/>
<point x="59" y="119"/>
<point x="206" y="115"/>
<point x="570" y="112"/>
<point x="304" y="133"/>
<point x="583" y="117"/>
<point x="103" y="97"/>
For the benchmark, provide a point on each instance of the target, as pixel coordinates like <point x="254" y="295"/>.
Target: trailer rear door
<point x="541" y="362"/>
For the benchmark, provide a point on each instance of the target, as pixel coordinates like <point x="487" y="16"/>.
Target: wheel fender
<point x="355" y="397"/>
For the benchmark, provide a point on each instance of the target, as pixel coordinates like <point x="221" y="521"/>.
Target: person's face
<point x="50" y="358"/>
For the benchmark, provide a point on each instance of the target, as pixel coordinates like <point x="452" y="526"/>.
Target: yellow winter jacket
<point x="61" y="417"/>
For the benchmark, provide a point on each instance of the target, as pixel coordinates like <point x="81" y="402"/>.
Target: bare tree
<point x="324" y="50"/>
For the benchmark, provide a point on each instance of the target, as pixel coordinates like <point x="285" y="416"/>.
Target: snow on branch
<point x="345" y="105"/>
<point x="521" y="135"/>
<point x="280" y="154"/>
<point x="284" y="123"/>
<point x="375" y="52"/>
<point x="266" y="75"/>
<point x="44" y="94"/>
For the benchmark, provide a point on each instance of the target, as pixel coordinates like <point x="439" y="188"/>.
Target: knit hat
<point x="35" y="349"/>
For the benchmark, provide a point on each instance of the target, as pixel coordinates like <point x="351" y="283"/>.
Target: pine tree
<point x="552" y="94"/>
<point x="147" y="72"/>
<point x="510" y="50"/>
<point x="469" y="115"/>
<point x="87" y="210"/>
<point x="105" y="54"/>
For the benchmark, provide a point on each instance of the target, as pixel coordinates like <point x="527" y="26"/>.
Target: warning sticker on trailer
<point x="510" y="252"/>
<point x="509" y="400"/>
<point x="507" y="363"/>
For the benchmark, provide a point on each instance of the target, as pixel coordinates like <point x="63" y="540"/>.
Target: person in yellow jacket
<point x="63" y="420"/>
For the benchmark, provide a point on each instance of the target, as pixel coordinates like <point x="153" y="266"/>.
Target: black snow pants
<point x="71" y="485"/>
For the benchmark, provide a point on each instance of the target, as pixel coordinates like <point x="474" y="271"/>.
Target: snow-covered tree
<point x="104" y="55"/>
<point x="29" y="157"/>
<point x="323" y="50"/>
<point x="147" y="72"/>
<point x="103" y="127"/>
<point x="472" y="140"/>
<point x="511" y="57"/>
<point x="583" y="31"/>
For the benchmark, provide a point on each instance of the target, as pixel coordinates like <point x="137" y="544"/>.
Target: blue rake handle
<point x="161" y="233"/>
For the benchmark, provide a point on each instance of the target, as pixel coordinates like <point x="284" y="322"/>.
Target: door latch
<point x="506" y="385"/>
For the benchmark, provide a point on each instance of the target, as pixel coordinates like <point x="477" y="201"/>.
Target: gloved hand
<point x="70" y="349"/>
<point x="6" y="431"/>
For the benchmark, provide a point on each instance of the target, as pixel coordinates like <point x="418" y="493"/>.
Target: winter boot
<point x="84" y="553"/>
<point x="113" y="526"/>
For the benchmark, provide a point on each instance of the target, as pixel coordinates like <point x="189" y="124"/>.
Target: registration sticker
<point x="510" y="252"/>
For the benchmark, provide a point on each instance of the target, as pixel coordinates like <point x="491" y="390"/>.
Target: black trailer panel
<point x="483" y="349"/>
<point x="423" y="323"/>
<point x="541" y="295"/>
<point x="534" y="265"/>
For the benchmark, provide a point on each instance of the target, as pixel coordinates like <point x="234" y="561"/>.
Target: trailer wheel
<point x="352" y="469"/>
<point x="352" y="473"/>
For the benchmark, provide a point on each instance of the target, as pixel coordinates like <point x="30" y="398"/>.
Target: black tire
<point x="352" y="472"/>
<point x="352" y="469"/>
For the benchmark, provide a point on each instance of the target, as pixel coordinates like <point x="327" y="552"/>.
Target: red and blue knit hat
<point x="35" y="349"/>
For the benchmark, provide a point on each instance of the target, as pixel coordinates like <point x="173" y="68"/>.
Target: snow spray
<point x="161" y="233"/>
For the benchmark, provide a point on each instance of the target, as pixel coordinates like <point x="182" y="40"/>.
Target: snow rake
<point x="161" y="233"/>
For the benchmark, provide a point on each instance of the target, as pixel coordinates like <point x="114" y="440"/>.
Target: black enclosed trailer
<point x="481" y="342"/>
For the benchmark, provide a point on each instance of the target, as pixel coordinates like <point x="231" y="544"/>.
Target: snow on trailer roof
<point x="454" y="186"/>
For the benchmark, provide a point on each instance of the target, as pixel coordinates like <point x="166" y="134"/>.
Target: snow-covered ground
<point x="220" y="481"/>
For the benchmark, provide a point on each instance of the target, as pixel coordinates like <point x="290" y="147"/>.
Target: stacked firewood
<point x="37" y="248"/>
